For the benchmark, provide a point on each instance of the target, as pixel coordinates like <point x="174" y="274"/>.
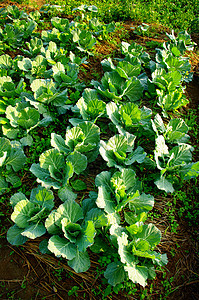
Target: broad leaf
<point x="53" y="158"/>
<point x="133" y="89"/>
<point x="127" y="70"/>
<point x="62" y="247"/>
<point x="81" y="262"/>
<point x="43" y="177"/>
<point x="22" y="213"/>
<point x="163" y="184"/>
<point x="43" y="197"/>
<point x="105" y="200"/>
<point x="17" y="197"/>
<point x="58" y="143"/>
<point x="143" y="203"/>
<point x="97" y="216"/>
<point x="151" y="234"/>
<point x="14" y="236"/>
<point x="53" y="223"/>
<point x="115" y="273"/>
<point x="78" y="161"/>
<point x="66" y="193"/>
<point x="138" y="274"/>
<point x="79" y="185"/>
<point x="70" y="210"/>
<point x="103" y="179"/>
<point x="180" y="155"/>
<point x="86" y="238"/>
<point x="34" y="230"/>
<point x="28" y="117"/>
<point x="190" y="171"/>
<point x="16" y="159"/>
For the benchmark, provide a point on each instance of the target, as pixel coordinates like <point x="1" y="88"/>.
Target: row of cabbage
<point x="35" y="89"/>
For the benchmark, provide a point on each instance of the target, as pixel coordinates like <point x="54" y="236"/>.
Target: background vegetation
<point x="176" y="14"/>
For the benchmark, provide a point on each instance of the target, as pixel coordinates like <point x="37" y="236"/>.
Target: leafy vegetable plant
<point x="135" y="242"/>
<point x="20" y="120"/>
<point x="90" y="106"/>
<point x="121" y="82"/>
<point x="67" y="156"/>
<point x="9" y="89"/>
<point x="178" y="160"/>
<point x="129" y="117"/>
<point x="119" y="151"/>
<point x="11" y="161"/>
<point x="48" y="95"/>
<point x="29" y="215"/>
<point x="174" y="132"/>
<point x="73" y="229"/>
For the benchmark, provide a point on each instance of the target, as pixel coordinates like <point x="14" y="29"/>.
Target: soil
<point x="26" y="274"/>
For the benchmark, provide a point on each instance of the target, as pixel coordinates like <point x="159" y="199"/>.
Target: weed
<point x="171" y="216"/>
<point x="188" y="206"/>
<point x="58" y="273"/>
<point x="191" y="121"/>
<point x="153" y="44"/>
<point x="73" y="291"/>
<point x="24" y="283"/>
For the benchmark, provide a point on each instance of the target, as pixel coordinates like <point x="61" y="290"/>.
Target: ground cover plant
<point x="93" y="154"/>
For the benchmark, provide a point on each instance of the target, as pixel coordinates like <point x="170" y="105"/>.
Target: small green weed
<point x="73" y="291"/>
<point x="153" y="44"/>
<point x="58" y="273"/>
<point x="188" y="206"/>
<point x="170" y="211"/>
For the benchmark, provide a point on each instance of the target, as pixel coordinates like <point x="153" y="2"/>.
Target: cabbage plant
<point x="133" y="52"/>
<point x="170" y="162"/>
<point x="116" y="87"/>
<point x="58" y="164"/>
<point x="120" y="190"/>
<point x="35" y="68"/>
<point x="12" y="12"/>
<point x="182" y="42"/>
<point x="174" y="132"/>
<point x="67" y="75"/>
<point x="119" y="151"/>
<point x="135" y="243"/>
<point x="62" y="24"/>
<point x="101" y="30"/>
<point x="29" y="215"/>
<point x="84" y="39"/>
<point x="13" y="35"/>
<point x="73" y="229"/>
<point x="9" y="89"/>
<point x="170" y="90"/>
<point x="129" y="117"/>
<point x="20" y="120"/>
<point x="12" y="160"/>
<point x="137" y="255"/>
<point x="8" y="65"/>
<point x="53" y="53"/>
<point x="121" y="81"/>
<point x="48" y="96"/>
<point x="89" y="106"/>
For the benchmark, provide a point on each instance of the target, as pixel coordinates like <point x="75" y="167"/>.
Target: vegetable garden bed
<point x="99" y="146"/>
